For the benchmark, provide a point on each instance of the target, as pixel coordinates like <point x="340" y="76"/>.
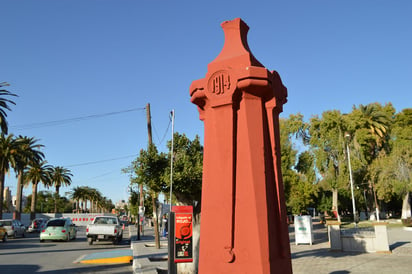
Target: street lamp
<point x="172" y="113"/>
<point x="347" y="136"/>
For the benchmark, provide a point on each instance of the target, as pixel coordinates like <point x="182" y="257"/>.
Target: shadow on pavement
<point x="323" y="253"/>
<point x="397" y="244"/>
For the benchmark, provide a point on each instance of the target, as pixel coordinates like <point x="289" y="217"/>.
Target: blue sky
<point x="68" y="59"/>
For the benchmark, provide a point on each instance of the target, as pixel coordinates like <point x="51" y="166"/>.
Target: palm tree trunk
<point x="33" y="202"/>
<point x="19" y="194"/>
<point x="56" y="199"/>
<point x="1" y="194"/>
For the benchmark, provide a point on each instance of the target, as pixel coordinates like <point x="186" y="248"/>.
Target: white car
<point x="14" y="227"/>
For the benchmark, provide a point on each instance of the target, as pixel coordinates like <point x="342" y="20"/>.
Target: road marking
<point x="108" y="257"/>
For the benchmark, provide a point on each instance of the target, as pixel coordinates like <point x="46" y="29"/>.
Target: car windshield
<point x="56" y="223"/>
<point x="105" y="220"/>
<point x="5" y="223"/>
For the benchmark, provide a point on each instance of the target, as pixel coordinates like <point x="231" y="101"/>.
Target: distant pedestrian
<point x="165" y="224"/>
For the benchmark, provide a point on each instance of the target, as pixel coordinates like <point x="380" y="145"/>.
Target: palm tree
<point x="95" y="197"/>
<point x="4" y="105"/>
<point x="8" y="156"/>
<point x="375" y="120"/>
<point x="77" y="194"/>
<point x="37" y="172"/>
<point x="59" y="176"/>
<point x="27" y="153"/>
<point x="88" y="196"/>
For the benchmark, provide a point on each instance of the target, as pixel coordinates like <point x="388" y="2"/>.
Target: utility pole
<point x="149" y="132"/>
<point x="155" y="217"/>
<point x="149" y="123"/>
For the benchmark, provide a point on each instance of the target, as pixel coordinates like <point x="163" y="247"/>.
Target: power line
<point x="102" y="161"/>
<point x="71" y="120"/>
<point x="164" y="135"/>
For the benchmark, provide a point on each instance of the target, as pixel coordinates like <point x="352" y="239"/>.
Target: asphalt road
<point x="28" y="255"/>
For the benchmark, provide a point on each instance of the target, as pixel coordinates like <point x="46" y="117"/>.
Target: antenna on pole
<point x="172" y="113"/>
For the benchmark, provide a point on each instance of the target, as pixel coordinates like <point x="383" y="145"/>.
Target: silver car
<point x="14" y="227"/>
<point x="37" y="225"/>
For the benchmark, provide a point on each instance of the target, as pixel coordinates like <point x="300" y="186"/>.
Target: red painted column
<point x="244" y="221"/>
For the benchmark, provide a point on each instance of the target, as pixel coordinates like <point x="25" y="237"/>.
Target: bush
<point x="407" y="222"/>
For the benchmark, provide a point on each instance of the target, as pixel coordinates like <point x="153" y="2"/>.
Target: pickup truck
<point x="104" y="228"/>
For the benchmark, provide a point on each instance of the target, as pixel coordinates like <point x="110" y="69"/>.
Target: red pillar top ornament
<point x="235" y="68"/>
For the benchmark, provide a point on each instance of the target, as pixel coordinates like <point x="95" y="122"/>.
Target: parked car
<point x="58" y="229"/>
<point x="37" y="225"/>
<point x="14" y="227"/>
<point x="3" y="233"/>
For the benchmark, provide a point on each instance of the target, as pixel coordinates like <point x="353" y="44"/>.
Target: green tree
<point x="59" y="176"/>
<point x="44" y="204"/>
<point x="37" y="172"/>
<point x="369" y="129"/>
<point x="186" y="182"/>
<point x="327" y="145"/>
<point x="4" y="105"/>
<point x="298" y="171"/>
<point x="392" y="172"/>
<point x="187" y="170"/>
<point x="149" y="168"/>
<point x="77" y="194"/>
<point x="95" y="197"/>
<point x="8" y="156"/>
<point x="27" y="153"/>
<point x="82" y="194"/>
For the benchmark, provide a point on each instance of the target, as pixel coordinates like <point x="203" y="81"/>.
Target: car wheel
<point x="5" y="238"/>
<point x="41" y="240"/>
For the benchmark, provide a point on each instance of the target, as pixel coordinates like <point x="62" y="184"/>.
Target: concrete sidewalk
<point x="319" y="259"/>
<point x="308" y="259"/>
<point x="146" y="257"/>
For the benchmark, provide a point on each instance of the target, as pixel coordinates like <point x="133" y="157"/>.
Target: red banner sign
<point x="183" y="234"/>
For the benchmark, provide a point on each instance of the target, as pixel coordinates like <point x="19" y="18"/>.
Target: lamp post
<point x="350" y="177"/>
<point x="172" y="113"/>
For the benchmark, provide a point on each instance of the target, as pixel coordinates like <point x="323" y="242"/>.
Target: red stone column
<point x="244" y="221"/>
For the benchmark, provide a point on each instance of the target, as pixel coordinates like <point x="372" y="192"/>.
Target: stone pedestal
<point x="381" y="237"/>
<point x="334" y="236"/>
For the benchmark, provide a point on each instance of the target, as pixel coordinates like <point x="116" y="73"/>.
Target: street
<point x="28" y="255"/>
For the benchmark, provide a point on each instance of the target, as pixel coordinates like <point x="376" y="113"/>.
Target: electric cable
<point x="71" y="120"/>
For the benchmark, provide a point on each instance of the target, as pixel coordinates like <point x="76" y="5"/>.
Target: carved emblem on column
<point x="219" y="83"/>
